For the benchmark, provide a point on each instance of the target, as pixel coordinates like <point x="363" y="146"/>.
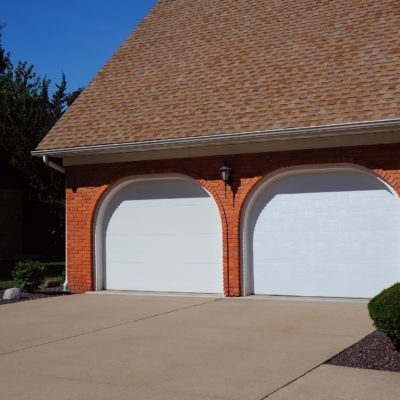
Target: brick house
<point x="300" y="99"/>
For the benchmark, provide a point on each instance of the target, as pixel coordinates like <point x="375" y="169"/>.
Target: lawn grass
<point x="54" y="268"/>
<point x="54" y="264"/>
<point x="6" y="284"/>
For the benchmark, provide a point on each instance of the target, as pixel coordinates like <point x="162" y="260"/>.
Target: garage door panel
<point x="363" y="248"/>
<point x="381" y="221"/>
<point x="163" y="235"/>
<point x="285" y="216"/>
<point x="160" y="248"/>
<point x="146" y="282"/>
<point x="331" y="280"/>
<point x="164" y="219"/>
<point x="325" y="233"/>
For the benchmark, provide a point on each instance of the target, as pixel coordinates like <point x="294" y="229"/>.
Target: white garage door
<point x="163" y="235"/>
<point x="325" y="233"/>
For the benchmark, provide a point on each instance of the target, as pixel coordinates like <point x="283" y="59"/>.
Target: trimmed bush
<point x="28" y="275"/>
<point x="384" y="309"/>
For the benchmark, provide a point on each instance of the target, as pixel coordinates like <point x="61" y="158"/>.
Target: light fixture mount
<point x="225" y="173"/>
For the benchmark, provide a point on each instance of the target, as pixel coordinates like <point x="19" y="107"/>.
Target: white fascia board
<point x="239" y="137"/>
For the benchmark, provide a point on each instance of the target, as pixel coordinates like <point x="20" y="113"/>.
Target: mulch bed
<point x="40" y="294"/>
<point x="375" y="351"/>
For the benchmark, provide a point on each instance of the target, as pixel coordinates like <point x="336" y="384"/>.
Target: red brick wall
<point x="87" y="184"/>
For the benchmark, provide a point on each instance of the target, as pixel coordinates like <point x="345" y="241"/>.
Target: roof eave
<point x="225" y="138"/>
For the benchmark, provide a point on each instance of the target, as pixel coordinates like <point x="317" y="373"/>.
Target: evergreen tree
<point x="27" y="113"/>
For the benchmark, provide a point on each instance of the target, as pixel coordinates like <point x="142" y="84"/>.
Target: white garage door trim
<point x="247" y="258"/>
<point x="98" y="231"/>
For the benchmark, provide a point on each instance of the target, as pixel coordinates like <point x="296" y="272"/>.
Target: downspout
<point x="53" y="165"/>
<point x="58" y="168"/>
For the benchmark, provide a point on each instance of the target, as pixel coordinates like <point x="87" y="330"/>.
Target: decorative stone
<point x="12" y="294"/>
<point x="51" y="282"/>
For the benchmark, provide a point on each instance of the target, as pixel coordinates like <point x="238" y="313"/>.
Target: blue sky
<point x="74" y="37"/>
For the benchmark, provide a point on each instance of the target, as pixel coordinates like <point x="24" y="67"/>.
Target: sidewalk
<point x="341" y="383"/>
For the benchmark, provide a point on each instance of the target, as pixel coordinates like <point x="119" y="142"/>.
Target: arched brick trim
<point x="164" y="171"/>
<point x="276" y="168"/>
<point x="225" y="233"/>
<point x="211" y="189"/>
<point x="387" y="176"/>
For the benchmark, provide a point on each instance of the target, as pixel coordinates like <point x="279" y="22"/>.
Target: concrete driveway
<point x="165" y="347"/>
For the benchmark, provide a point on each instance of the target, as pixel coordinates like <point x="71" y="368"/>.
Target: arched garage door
<point x="329" y="232"/>
<point x="162" y="235"/>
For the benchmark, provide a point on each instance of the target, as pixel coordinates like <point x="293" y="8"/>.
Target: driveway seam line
<point x="109" y="327"/>
<point x="306" y="373"/>
<point x="293" y="380"/>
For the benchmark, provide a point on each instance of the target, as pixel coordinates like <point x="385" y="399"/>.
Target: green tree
<point x="27" y="113"/>
<point x="4" y="57"/>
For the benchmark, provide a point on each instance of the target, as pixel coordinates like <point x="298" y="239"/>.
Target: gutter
<point x="219" y="139"/>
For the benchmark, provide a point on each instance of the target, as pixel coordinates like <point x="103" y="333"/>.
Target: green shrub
<point x="384" y="310"/>
<point x="28" y="275"/>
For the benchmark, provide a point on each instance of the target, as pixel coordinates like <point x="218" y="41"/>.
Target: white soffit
<point x="237" y="148"/>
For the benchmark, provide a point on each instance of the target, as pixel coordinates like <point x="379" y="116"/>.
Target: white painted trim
<point x="99" y="268"/>
<point x="246" y="267"/>
<point x="317" y="299"/>
<point x="156" y="294"/>
<point x="231" y="137"/>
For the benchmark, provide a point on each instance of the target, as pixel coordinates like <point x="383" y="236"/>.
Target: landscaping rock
<point x="12" y="294"/>
<point x="52" y="292"/>
<point x="52" y="282"/>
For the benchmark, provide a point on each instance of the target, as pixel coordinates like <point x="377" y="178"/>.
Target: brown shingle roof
<point x="204" y="67"/>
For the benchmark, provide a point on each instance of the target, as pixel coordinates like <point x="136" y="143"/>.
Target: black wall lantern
<point x="225" y="172"/>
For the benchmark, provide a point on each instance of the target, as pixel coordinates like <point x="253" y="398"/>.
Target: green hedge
<point x="384" y="310"/>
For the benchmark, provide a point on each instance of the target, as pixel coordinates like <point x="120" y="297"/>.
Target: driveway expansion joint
<point x="110" y="327"/>
<point x="293" y="380"/>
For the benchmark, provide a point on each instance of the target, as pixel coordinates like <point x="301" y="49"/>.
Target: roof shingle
<point x="204" y="67"/>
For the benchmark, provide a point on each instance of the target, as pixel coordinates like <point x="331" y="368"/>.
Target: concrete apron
<point x="166" y="347"/>
<point x="329" y="382"/>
